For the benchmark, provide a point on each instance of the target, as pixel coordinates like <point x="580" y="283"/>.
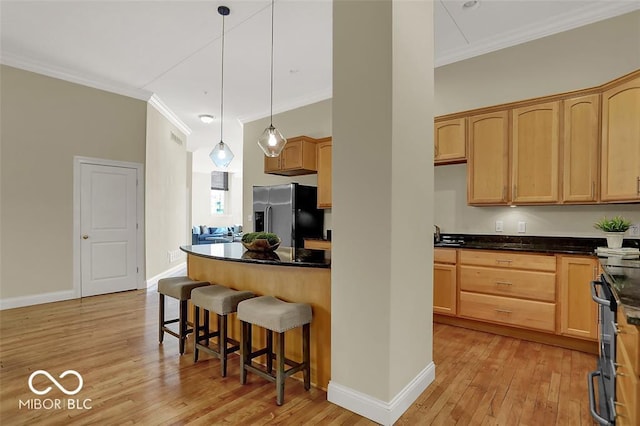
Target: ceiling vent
<point x="176" y="138"/>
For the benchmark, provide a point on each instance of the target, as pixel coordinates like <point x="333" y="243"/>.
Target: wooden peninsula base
<point x="294" y="283"/>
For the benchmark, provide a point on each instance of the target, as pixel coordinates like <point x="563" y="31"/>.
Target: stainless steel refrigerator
<point x="289" y="211"/>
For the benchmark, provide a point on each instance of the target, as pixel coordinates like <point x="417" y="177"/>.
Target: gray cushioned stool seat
<point x="274" y="314"/>
<point x="219" y="299"/>
<point x="179" y="287"/>
<point x="276" y="317"/>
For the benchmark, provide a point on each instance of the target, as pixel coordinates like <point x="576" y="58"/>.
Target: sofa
<point x="213" y="235"/>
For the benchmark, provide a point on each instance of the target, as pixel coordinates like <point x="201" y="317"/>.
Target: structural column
<point x="382" y="214"/>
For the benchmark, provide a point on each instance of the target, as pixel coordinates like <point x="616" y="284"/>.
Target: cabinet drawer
<point x="506" y="282"/>
<point x="627" y="392"/>
<point x="507" y="310"/>
<point x="441" y="255"/>
<point x="629" y="337"/>
<point x="505" y="259"/>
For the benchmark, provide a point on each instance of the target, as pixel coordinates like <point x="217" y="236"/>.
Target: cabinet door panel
<point x="506" y="310"/>
<point x="324" y="174"/>
<point x="580" y="149"/>
<point x="450" y="140"/>
<point x="535" y="143"/>
<point x="444" y="289"/>
<point x="512" y="283"/>
<point x="488" y="159"/>
<point x="621" y="143"/>
<point x="578" y="312"/>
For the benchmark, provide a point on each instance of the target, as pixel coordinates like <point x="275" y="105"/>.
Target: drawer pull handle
<point x="503" y="283"/>
<point x="503" y="311"/>
<point x="618" y="329"/>
<point x="504" y="260"/>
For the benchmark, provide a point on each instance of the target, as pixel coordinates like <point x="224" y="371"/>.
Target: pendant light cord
<point x="222" y="84"/>
<point x="271" y="113"/>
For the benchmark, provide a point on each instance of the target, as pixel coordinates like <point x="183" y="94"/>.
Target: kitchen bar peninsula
<point x="293" y="275"/>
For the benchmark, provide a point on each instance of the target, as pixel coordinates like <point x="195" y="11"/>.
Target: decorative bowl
<point x="261" y="245"/>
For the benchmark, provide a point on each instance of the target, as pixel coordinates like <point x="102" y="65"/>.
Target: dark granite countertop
<point x="560" y="245"/>
<point x="283" y="256"/>
<point x="624" y="277"/>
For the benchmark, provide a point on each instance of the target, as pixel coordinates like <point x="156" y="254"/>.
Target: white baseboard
<point x="381" y="412"/>
<point x="36" y="299"/>
<point x="180" y="269"/>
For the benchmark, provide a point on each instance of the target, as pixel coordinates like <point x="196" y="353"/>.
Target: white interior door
<point x="108" y="203"/>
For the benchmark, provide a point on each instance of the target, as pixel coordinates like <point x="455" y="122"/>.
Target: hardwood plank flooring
<point x="111" y="340"/>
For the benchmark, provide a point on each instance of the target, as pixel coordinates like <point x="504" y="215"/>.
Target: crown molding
<point x="562" y="23"/>
<point x="296" y="103"/>
<point x="60" y="73"/>
<point x="157" y="103"/>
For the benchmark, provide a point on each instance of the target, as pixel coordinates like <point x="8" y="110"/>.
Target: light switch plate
<point x="522" y="227"/>
<point x="499" y="226"/>
<point x="634" y="230"/>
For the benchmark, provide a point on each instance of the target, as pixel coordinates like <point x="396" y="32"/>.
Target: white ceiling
<point x="172" y="49"/>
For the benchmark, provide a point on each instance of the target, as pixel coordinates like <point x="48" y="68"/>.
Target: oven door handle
<point x="594" y="294"/>
<point x="592" y="399"/>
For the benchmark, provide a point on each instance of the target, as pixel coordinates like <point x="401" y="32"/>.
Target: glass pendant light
<point x="221" y="155"/>
<point x="271" y="141"/>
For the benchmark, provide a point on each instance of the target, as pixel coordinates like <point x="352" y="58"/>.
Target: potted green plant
<point x="614" y="229"/>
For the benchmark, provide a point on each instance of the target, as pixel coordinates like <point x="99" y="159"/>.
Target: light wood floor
<point x="130" y="379"/>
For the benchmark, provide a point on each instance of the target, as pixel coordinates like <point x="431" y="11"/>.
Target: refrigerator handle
<point x="267" y="219"/>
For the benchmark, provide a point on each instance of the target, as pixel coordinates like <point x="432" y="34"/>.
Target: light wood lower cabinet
<point x="578" y="312"/>
<point x="507" y="259"/>
<point x="508" y="310"/>
<point x="444" y="282"/>
<point x="627" y="373"/>
<point x="503" y="282"/>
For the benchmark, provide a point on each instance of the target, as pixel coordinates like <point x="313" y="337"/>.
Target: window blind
<point x="220" y="181"/>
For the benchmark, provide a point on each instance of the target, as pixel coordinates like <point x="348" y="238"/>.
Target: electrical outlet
<point x="249" y="218"/>
<point x="634" y="230"/>
<point x="499" y="226"/>
<point x="522" y="227"/>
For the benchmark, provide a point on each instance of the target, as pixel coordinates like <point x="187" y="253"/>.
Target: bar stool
<point x="277" y="316"/>
<point x="223" y="301"/>
<point x="178" y="288"/>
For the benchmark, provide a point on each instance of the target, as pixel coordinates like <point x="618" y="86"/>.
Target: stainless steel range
<point x="604" y="412"/>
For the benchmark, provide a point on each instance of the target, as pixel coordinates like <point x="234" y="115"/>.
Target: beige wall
<point x="381" y="279"/>
<point x="312" y="120"/>
<point x="166" y="194"/>
<point x="44" y="123"/>
<point x="202" y="201"/>
<point x="577" y="59"/>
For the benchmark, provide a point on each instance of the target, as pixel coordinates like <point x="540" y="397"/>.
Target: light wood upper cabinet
<point x="620" y="155"/>
<point x="450" y="141"/>
<point x="297" y="158"/>
<point x="488" y="159"/>
<point x="578" y="312"/>
<point x="535" y="149"/>
<point x="580" y="149"/>
<point x="324" y="151"/>
<point x="444" y="281"/>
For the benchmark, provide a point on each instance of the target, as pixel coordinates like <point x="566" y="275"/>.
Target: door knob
<point x="85" y="236"/>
